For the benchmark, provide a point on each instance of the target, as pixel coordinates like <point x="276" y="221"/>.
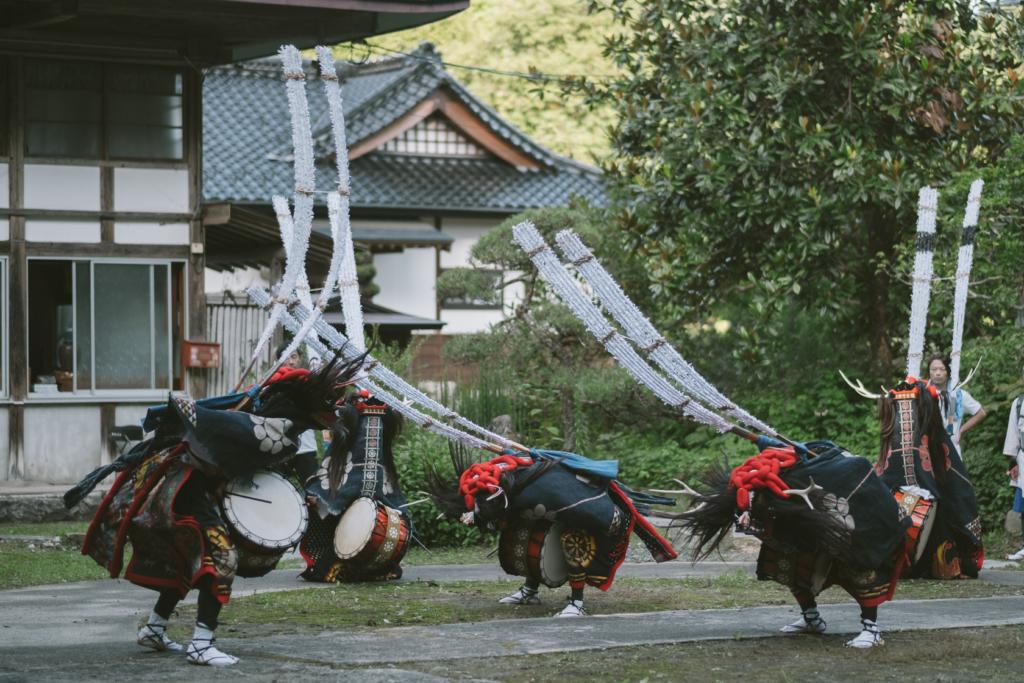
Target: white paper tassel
<point x="284" y="221"/>
<point x="640" y="329"/>
<point x="302" y="219"/>
<point x="410" y="413"/>
<point x="965" y="260"/>
<point x="337" y="341"/>
<point x="527" y="237"/>
<point x="927" y="206"/>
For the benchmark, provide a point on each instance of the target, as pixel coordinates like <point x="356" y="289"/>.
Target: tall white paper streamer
<point x="284" y="221"/>
<point x="339" y="342"/>
<point x="410" y="413"/>
<point x="965" y="259"/>
<point x="527" y="237"/>
<point x="302" y="140"/>
<point x="640" y="329"/>
<point x="927" y="206"/>
<point x="341" y="227"/>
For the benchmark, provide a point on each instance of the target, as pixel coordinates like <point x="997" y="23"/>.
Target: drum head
<point x="926" y="528"/>
<point x="277" y="524"/>
<point x="355" y="528"/>
<point x="554" y="571"/>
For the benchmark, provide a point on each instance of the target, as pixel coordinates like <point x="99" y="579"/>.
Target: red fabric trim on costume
<point x="642" y="521"/>
<point x="577" y="584"/>
<point x="287" y="374"/>
<point x="101" y="511"/>
<point x="760" y="472"/>
<point x="483" y="476"/>
<point x="117" y="560"/>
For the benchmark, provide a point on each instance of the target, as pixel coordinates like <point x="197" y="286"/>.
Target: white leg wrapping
<point x="523" y="596"/>
<point x="201" y="650"/>
<point x="869" y="637"/>
<point x="809" y="622"/>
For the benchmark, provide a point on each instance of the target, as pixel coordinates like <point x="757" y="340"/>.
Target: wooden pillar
<point x="196" y="271"/>
<point x="106" y="203"/>
<point x="17" y="299"/>
<point x="437" y="270"/>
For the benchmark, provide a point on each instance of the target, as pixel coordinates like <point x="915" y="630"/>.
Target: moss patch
<point x="383" y="605"/>
<point x="982" y="654"/>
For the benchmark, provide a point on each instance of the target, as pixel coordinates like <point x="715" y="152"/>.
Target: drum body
<point x="922" y="513"/>
<point x="371" y="535"/>
<point x="534" y="549"/>
<point x="266" y="523"/>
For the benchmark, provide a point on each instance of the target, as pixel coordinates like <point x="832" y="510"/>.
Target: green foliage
<point x="525" y="36"/>
<point x="412" y="449"/>
<point x="778" y="146"/>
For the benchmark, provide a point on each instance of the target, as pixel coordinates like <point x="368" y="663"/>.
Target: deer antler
<point x="804" y="493"/>
<point x="969" y="375"/>
<point x="859" y="388"/>
<point x="686" y="491"/>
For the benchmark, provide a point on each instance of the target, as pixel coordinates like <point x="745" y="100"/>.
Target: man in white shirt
<point x="956" y="405"/>
<point x="1013" y="447"/>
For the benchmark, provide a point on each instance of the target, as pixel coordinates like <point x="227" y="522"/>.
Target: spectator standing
<point x="956" y="405"/>
<point x="1013" y="447"/>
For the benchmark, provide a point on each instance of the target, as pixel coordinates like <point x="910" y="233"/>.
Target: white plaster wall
<point x="150" y="233"/>
<point x="5" y="187"/>
<point x="463" y="321"/>
<point x="62" y="187"/>
<point x="381" y="225"/>
<point x="158" y="190"/>
<point x="234" y="280"/>
<point x="131" y="414"/>
<point x="61" y="231"/>
<point x="406" y="282"/>
<point x="62" y="443"/>
<point x="466" y="232"/>
<point x="5" y="229"/>
<point x="5" y="455"/>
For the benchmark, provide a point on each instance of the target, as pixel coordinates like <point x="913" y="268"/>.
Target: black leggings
<point x="865" y="612"/>
<point x="208" y="607"/>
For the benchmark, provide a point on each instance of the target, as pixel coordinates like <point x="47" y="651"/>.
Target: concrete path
<point x="86" y="630"/>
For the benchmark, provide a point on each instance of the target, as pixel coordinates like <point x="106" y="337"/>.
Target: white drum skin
<point x="272" y="526"/>
<point x="355" y="528"/>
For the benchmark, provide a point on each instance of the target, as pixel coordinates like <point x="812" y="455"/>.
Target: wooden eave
<point x="203" y="32"/>
<point x="461" y="118"/>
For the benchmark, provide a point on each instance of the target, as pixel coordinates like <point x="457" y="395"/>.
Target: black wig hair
<point x="715" y="514"/>
<point x="927" y="423"/>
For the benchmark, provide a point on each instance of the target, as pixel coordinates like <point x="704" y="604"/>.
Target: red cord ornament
<point x="762" y="472"/>
<point x="483" y="476"/>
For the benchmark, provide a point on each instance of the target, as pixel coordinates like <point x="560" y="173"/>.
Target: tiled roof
<point x="247" y="142"/>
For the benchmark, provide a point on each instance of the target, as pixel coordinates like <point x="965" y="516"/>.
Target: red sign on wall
<point x="200" y="354"/>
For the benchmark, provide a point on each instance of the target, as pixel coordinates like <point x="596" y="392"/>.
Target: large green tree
<point x="780" y="144"/>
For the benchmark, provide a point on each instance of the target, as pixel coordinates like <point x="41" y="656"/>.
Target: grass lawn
<point x="981" y="654"/>
<point x="355" y="606"/>
<point x="54" y="562"/>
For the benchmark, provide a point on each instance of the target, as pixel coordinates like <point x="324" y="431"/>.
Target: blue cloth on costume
<point x="606" y="469"/>
<point x="1018" y="501"/>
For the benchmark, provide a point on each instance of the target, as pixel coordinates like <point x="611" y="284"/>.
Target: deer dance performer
<point x="172" y="497"/>
<point x="824" y="518"/>
<point x="562" y="517"/>
<point x="917" y="460"/>
<point x="359" y="526"/>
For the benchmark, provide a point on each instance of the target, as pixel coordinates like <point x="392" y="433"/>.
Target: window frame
<point x="5" y="332"/>
<point x="104" y="395"/>
<point x="105" y="157"/>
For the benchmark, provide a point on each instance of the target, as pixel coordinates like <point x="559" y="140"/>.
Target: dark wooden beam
<point x="196" y="270"/>
<point x="98" y="215"/>
<point x="225" y="257"/>
<point x="43" y="15"/>
<point x="100" y="249"/>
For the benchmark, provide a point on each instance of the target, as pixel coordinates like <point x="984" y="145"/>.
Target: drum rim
<point x="369" y="534"/>
<point x="267" y="543"/>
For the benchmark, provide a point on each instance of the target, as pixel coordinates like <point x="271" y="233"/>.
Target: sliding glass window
<point x="105" y="327"/>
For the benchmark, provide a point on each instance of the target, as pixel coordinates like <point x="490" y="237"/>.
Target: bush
<point x="414" y="447"/>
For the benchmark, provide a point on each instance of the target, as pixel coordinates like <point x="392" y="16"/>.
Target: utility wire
<point x="551" y="78"/>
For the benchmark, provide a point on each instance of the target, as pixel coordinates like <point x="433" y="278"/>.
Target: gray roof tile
<point x="247" y="142"/>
